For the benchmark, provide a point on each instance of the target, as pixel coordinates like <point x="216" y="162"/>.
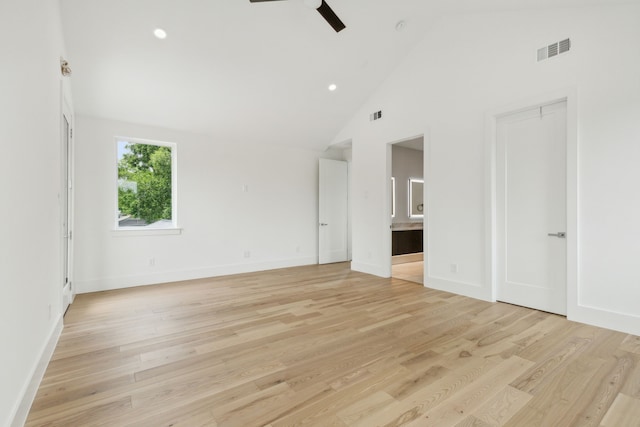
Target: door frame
<point x="570" y="96"/>
<point x="66" y="184"/>
<point x="425" y="194"/>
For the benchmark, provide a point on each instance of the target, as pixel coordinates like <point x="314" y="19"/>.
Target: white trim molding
<point x="122" y="282"/>
<point x="570" y="96"/>
<point x="373" y="269"/>
<point x="30" y="388"/>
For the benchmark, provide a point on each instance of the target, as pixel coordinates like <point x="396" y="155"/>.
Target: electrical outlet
<point x="298" y="249"/>
<point x="152" y="262"/>
<point x="247" y="254"/>
<point x="454" y="268"/>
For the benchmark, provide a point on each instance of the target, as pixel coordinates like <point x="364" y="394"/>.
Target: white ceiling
<point x="241" y="71"/>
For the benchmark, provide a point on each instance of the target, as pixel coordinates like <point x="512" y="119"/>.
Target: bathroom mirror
<point x="416" y="196"/>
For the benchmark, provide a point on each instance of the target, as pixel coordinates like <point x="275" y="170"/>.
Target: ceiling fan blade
<point x="331" y="17"/>
<point x="325" y="10"/>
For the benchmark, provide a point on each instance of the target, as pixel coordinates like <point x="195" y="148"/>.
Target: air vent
<point x="564" y="46"/>
<point x="375" y="116"/>
<point x="554" y="49"/>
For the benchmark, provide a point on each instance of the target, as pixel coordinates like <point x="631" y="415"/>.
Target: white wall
<point x="276" y="220"/>
<point x="444" y="90"/>
<point x="30" y="257"/>
<point x="406" y="163"/>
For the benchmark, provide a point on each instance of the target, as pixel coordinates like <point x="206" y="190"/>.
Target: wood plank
<point x="624" y="412"/>
<point x="631" y="344"/>
<point x="430" y="396"/>
<point x="603" y="389"/>
<point x="472" y="421"/>
<point x="326" y="346"/>
<point x="364" y="407"/>
<point x="504" y="405"/>
<point x="474" y="395"/>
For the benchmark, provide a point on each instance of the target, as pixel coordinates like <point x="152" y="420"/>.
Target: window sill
<point x="126" y="232"/>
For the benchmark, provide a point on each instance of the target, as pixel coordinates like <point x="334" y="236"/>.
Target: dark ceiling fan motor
<point x="327" y="13"/>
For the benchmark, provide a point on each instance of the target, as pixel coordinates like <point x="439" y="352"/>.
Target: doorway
<point x="333" y="211"/>
<point x="531" y="207"/>
<point x="66" y="204"/>
<point x="408" y="208"/>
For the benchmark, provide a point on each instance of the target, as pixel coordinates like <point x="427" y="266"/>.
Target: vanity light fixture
<point x="416" y="198"/>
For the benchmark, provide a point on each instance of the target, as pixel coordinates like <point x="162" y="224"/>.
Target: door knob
<point x="559" y="234"/>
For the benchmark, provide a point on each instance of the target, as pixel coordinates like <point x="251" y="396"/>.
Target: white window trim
<point x="130" y="231"/>
<point x="172" y="229"/>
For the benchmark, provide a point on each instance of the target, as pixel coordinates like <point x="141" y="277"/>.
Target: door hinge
<point x="70" y="232"/>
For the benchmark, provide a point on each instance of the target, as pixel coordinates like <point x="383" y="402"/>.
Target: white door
<point x="531" y="210"/>
<point x="333" y="211"/>
<point x="65" y="210"/>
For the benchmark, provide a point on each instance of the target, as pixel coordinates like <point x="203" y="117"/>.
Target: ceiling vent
<point x="554" y="49"/>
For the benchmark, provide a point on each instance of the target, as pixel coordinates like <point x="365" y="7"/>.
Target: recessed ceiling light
<point x="160" y="33"/>
<point x="332" y="87"/>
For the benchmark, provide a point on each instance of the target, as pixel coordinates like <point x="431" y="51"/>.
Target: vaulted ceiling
<point x="242" y="71"/>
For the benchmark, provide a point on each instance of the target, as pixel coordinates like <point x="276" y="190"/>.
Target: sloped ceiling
<point x="245" y="72"/>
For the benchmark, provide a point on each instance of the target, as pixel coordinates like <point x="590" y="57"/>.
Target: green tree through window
<point x="144" y="183"/>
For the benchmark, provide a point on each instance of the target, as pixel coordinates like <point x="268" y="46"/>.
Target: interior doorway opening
<point x="408" y="209"/>
<point x="66" y="205"/>
<point x="334" y="205"/>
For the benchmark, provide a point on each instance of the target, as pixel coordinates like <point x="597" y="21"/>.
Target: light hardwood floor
<point x="410" y="271"/>
<point x="324" y="346"/>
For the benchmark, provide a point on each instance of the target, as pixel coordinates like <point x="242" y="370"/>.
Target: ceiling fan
<point x="323" y="8"/>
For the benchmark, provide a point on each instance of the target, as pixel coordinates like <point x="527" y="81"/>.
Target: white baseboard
<point x="621" y="322"/>
<point x="373" y="269"/>
<point x="470" y="290"/>
<point x="31" y="388"/>
<point x="110" y="283"/>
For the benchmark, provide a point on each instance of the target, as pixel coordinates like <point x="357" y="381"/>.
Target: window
<point x="146" y="184"/>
